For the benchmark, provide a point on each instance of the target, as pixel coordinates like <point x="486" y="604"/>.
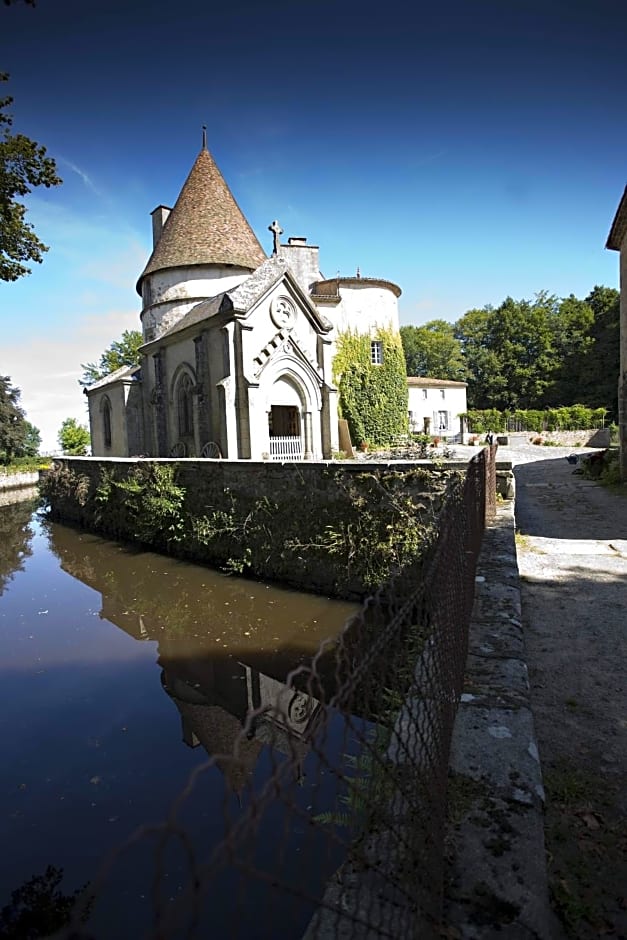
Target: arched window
<point x="106" y="422"/>
<point x="184" y="406"/>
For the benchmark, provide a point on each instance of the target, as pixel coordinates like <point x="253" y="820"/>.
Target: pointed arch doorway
<point x="285" y="425"/>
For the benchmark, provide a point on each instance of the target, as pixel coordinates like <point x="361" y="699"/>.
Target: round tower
<point x="201" y="247"/>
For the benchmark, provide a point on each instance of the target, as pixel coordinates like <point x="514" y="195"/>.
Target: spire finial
<point x="204" y="137"/>
<point x="277" y="231"/>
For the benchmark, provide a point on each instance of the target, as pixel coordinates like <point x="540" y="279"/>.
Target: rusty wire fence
<point x="342" y="835"/>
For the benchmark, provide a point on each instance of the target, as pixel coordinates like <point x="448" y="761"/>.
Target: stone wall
<point x="14" y="481"/>
<point x="309" y="525"/>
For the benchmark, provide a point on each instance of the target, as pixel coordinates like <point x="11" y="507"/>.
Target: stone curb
<point x="497" y="880"/>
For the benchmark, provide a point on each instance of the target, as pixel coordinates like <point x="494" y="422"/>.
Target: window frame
<point x="185" y="405"/>
<point x="107" y="434"/>
<point x="376" y="352"/>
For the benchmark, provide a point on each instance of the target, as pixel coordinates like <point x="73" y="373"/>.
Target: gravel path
<point x="572" y="555"/>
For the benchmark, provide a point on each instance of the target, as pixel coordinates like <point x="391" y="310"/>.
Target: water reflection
<point x="225" y="645"/>
<point x="15" y="537"/>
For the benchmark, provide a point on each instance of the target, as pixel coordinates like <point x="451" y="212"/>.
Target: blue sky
<point x="465" y="150"/>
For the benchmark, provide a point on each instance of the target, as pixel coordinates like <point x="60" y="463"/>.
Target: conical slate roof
<point x="206" y="226"/>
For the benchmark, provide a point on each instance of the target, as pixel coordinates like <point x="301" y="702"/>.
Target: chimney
<point x="159" y="217"/>
<point x="302" y="259"/>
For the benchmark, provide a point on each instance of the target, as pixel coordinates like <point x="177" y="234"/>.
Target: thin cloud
<point x="87" y="180"/>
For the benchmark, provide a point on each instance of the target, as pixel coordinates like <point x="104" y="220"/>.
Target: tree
<point x="23" y="166"/>
<point x="122" y="352"/>
<point x="571" y="323"/>
<point x="600" y="365"/>
<point x="73" y="438"/>
<point x="433" y="350"/>
<point x="32" y="441"/>
<point x="12" y="421"/>
<point x="509" y="352"/>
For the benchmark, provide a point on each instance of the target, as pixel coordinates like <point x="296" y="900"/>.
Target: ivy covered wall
<point x="372" y="398"/>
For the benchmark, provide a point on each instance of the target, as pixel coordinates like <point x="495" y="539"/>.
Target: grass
<point x="584" y="835"/>
<point x="25" y="465"/>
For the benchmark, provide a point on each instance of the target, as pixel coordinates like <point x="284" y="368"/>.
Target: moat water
<point x="120" y="672"/>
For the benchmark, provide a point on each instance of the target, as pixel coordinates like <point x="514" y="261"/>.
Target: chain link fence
<point x="344" y="837"/>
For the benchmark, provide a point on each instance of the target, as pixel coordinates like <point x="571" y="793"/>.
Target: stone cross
<point x="276" y="230"/>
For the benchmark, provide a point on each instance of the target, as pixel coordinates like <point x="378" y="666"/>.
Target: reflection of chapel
<point x="238" y="347"/>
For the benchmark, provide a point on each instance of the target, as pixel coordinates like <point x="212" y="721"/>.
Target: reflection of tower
<point x="284" y="717"/>
<point x="214" y="728"/>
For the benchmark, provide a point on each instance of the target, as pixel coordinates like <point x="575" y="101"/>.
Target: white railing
<point x="286" y="448"/>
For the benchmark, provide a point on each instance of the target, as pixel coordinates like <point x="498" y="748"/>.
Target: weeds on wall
<point x="372" y="398"/>
<point x="345" y="540"/>
<point x="382" y="527"/>
<point x="147" y="501"/>
<point x="61" y="483"/>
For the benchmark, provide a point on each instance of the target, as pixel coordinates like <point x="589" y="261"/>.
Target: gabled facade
<point x="238" y="347"/>
<point x="617" y="241"/>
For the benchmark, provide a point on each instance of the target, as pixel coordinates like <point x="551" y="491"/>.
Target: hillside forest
<point x="526" y="354"/>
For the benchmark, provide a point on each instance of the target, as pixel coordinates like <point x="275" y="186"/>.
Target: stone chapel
<point x="237" y="347"/>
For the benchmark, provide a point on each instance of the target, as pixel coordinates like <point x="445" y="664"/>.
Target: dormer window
<point x="376" y="352"/>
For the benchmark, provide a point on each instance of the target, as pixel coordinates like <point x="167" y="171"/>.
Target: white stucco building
<point x="238" y="346"/>
<point x="435" y="406"/>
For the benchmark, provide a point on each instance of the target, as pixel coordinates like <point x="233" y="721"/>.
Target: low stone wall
<point x="595" y="438"/>
<point x="497" y="880"/>
<point x="15" y="487"/>
<point x="13" y="481"/>
<point x="328" y="527"/>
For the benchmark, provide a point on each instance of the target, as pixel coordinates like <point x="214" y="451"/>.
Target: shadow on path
<point x="554" y="502"/>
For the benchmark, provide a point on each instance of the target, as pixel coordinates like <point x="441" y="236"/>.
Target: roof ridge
<point x="206" y="225"/>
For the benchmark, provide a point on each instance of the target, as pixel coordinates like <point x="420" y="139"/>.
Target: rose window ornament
<point x="282" y="313"/>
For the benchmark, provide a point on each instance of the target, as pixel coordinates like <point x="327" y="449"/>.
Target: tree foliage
<point x="73" y="438"/>
<point x="122" y="352"/>
<point x="12" y="420"/>
<point x="32" y="441"/>
<point x="23" y="167"/>
<point x="433" y="350"/>
<point x="599" y="365"/>
<point x="39" y="908"/>
<point x="545" y="352"/>
<point x="509" y="352"/>
<point x="15" y="540"/>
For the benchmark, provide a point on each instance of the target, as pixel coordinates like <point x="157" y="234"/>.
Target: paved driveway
<point x="572" y="555"/>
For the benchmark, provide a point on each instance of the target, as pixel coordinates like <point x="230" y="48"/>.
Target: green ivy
<point x="372" y="398"/>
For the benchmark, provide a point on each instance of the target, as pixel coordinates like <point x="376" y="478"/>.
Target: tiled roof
<point x="124" y="373"/>
<point x="420" y="381"/>
<point x="331" y="285"/>
<point x="206" y="226"/>
<point x="619" y="225"/>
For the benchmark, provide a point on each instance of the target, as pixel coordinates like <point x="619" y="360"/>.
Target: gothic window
<point x="376" y="352"/>
<point x="184" y="406"/>
<point x="106" y="422"/>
